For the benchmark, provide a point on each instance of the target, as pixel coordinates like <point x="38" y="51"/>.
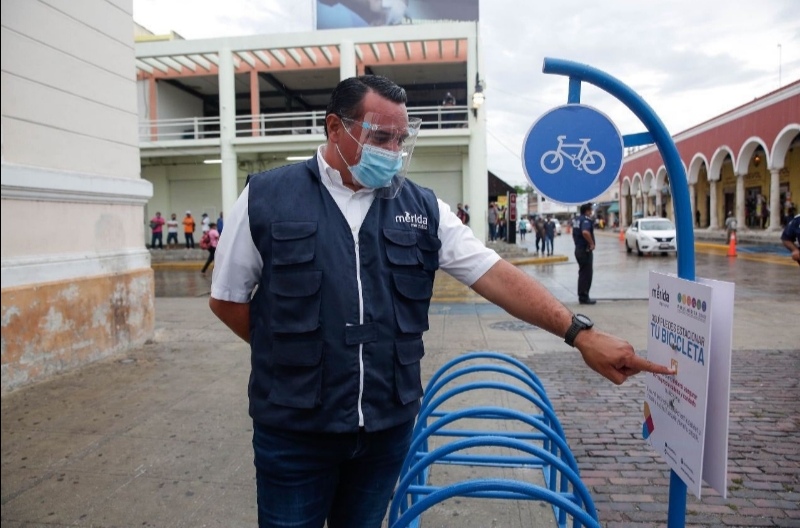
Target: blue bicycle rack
<point x="542" y="445"/>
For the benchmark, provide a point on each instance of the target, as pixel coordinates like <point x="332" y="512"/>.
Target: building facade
<point x="745" y="161"/>
<point x="213" y="111"/>
<point x="76" y="279"/>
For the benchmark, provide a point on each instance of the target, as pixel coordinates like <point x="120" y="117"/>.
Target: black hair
<point x="586" y="207"/>
<point x="348" y="95"/>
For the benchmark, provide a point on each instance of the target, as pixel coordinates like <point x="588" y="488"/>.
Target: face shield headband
<point x="384" y="153"/>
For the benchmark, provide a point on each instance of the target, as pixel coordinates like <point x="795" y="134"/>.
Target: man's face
<point x="350" y="135"/>
<point x="174" y="217"/>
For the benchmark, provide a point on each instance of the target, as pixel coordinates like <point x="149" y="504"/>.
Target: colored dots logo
<point x="692" y="302"/>
<point x="647" y="426"/>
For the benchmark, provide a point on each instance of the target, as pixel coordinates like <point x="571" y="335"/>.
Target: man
<point x="791" y="238"/>
<point x="157" y="225"/>
<point x="540" y="232"/>
<point x="333" y="298"/>
<point x="205" y="223"/>
<point x="549" y="235"/>
<point x="730" y="226"/>
<point x="220" y="223"/>
<point x="212" y="239"/>
<point x="492" y="218"/>
<point x="188" y="229"/>
<point x="583" y="236"/>
<point x="172" y="232"/>
<point x="462" y="214"/>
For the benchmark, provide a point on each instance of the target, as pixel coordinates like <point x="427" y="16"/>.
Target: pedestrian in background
<point x="188" y="229"/>
<point x="172" y="232"/>
<point x="220" y="223"/>
<point x="523" y="228"/>
<point x="549" y="235"/>
<point x="730" y="226"/>
<point x="539" y="231"/>
<point x="210" y="240"/>
<point x="492" y="219"/>
<point x="583" y="236"/>
<point x="157" y="225"/>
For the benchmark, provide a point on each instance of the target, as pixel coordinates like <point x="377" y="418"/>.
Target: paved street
<point x="160" y="437"/>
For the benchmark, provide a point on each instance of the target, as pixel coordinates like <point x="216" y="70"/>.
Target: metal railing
<point x="287" y="123"/>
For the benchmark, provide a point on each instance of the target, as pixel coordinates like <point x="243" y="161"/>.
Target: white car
<point x="651" y="235"/>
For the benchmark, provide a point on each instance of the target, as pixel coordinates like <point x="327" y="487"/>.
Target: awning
<point x="614" y="207"/>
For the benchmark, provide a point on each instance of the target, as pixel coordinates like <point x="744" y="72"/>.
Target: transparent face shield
<point x="386" y="144"/>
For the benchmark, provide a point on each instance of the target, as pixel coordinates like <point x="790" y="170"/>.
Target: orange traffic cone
<point x="621" y="234"/>
<point x="732" y="245"/>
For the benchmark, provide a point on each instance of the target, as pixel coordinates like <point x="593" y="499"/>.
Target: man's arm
<point x="236" y="316"/>
<point x="587" y="235"/>
<point x="523" y="297"/>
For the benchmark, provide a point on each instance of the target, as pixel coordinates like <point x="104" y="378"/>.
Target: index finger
<point x="645" y="365"/>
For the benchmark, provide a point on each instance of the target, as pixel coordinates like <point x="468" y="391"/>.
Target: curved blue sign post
<point x="679" y="186"/>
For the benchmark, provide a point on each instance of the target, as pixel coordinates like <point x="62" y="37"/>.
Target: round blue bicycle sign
<point x="572" y="154"/>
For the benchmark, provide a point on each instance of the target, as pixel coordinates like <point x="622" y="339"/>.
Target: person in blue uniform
<point x="583" y="236"/>
<point x="791" y="238"/>
<point x="333" y="299"/>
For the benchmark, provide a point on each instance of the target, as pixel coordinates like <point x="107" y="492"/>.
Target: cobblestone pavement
<point x="630" y="483"/>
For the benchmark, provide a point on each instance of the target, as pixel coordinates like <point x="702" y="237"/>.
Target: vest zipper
<point x="361" y="345"/>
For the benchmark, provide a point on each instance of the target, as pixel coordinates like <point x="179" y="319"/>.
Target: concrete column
<point x="713" y="220"/>
<point x="775" y="204"/>
<point x="478" y="170"/>
<point x="623" y="212"/>
<point x="255" y="103"/>
<point x="227" y="128"/>
<point x="693" y="200"/>
<point x="658" y="202"/>
<point x="739" y="200"/>
<point x="347" y="60"/>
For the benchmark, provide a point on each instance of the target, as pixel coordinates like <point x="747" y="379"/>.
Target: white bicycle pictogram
<point x="591" y="161"/>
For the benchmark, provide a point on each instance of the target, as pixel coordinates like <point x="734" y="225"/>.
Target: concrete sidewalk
<point x="160" y="437"/>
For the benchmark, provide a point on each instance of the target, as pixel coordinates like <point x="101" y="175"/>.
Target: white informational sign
<point x="685" y="317"/>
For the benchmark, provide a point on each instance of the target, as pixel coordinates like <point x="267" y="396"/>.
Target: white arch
<point x="648" y="183"/>
<point x="625" y="187"/>
<point x="717" y="159"/>
<point x="749" y="146"/>
<point x="782" y="144"/>
<point x="693" y="173"/>
<point x="661" y="177"/>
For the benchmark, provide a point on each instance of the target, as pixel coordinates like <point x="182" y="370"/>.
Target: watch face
<point x="584" y="320"/>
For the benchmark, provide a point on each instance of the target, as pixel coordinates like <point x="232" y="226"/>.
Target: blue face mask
<point x="377" y="167"/>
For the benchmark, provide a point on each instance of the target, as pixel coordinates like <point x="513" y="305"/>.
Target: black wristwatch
<point x="579" y="322"/>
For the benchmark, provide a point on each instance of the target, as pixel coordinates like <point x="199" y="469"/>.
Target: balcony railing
<point x="261" y="125"/>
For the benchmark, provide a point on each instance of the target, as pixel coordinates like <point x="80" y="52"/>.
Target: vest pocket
<point x="412" y="301"/>
<point x="293" y="242"/>
<point x="401" y="247"/>
<point x="407" y="373"/>
<point x="295" y="301"/>
<point x="297" y="379"/>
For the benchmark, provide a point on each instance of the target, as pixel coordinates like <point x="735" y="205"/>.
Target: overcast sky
<point x="690" y="60"/>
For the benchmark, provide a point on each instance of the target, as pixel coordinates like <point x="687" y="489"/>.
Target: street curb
<point x="197" y="264"/>
<point x="538" y="260"/>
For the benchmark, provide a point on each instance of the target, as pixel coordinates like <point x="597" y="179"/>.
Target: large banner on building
<point x="338" y="14"/>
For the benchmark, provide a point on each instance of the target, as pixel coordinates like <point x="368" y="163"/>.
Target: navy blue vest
<point x="304" y="317"/>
